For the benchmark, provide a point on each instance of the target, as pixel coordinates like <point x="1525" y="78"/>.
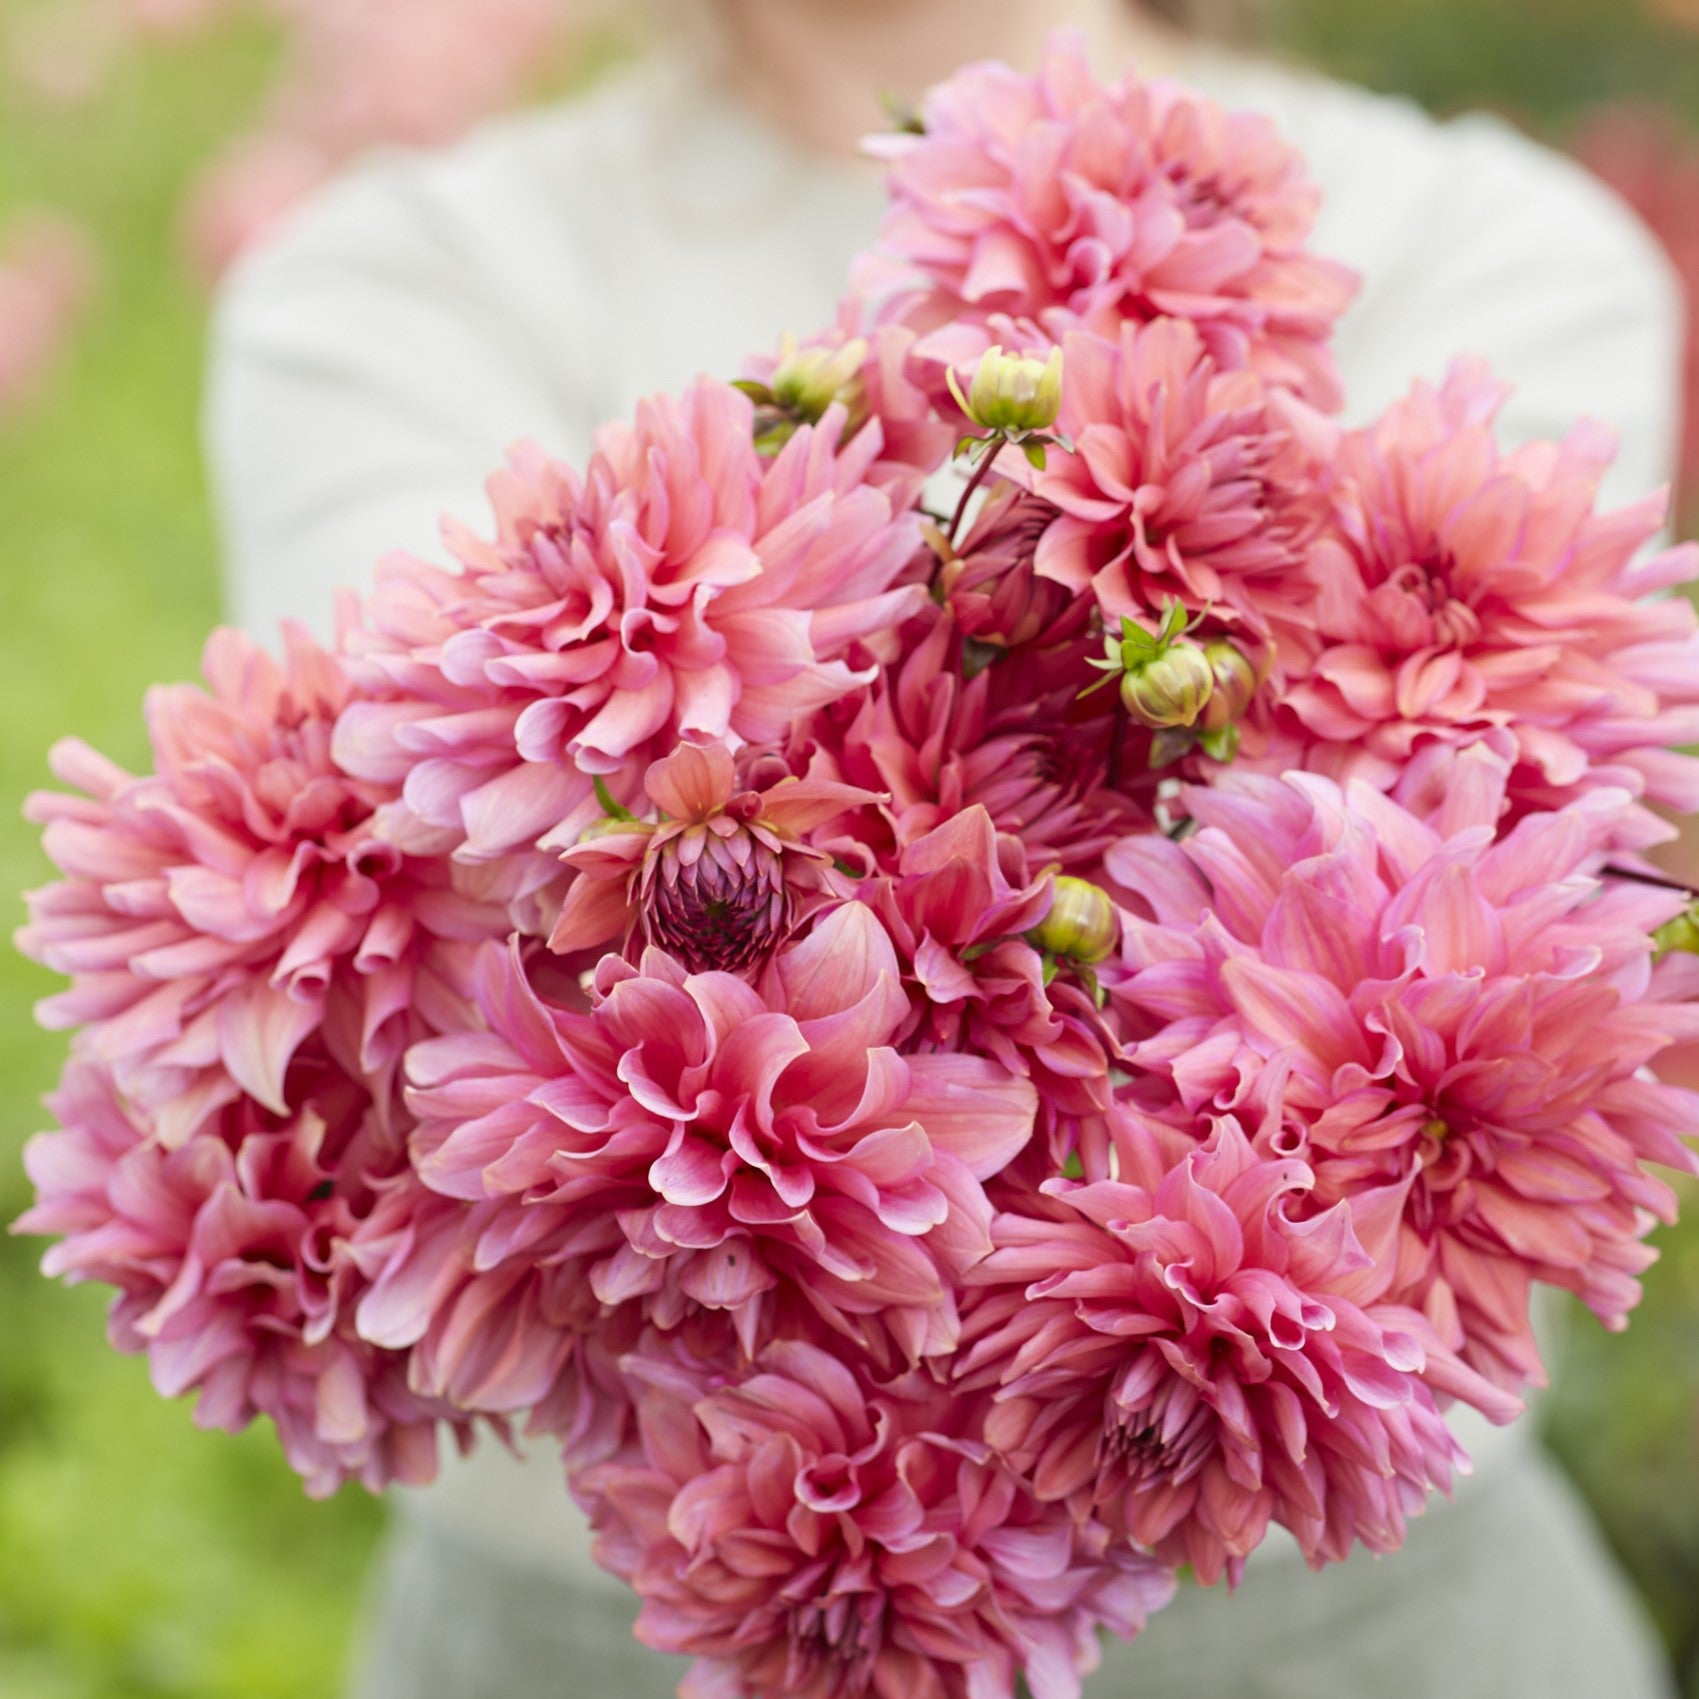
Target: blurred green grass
<point x="141" y="1559"/>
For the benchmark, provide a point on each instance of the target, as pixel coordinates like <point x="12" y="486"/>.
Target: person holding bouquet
<point x="373" y="364"/>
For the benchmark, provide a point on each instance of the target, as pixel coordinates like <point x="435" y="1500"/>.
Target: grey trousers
<point x="1505" y="1594"/>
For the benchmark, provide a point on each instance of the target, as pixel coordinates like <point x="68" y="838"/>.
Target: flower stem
<point x="1655" y="879"/>
<point x="981" y="473"/>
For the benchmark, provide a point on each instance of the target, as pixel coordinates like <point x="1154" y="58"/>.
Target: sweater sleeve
<point x="365" y="378"/>
<point x="1475" y="241"/>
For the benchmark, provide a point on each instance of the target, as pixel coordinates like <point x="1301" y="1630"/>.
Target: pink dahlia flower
<point x="802" y="1532"/>
<point x="748" y="1141"/>
<point x="1188" y="484"/>
<point x="1463" y="589"/>
<point x="1013" y="738"/>
<point x="722" y="878"/>
<point x="684" y="588"/>
<point x="1464" y="1018"/>
<point x="1181" y="1355"/>
<point x="218" y="911"/>
<point x="993" y="588"/>
<point x="958" y="909"/>
<point x="231" y="1258"/>
<point x="1052" y="198"/>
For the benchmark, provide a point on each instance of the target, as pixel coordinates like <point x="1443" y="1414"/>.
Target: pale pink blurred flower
<point x="231" y="1258"/>
<point x="1188" y="484"/>
<point x="1464" y="1018"/>
<point x="46" y="277"/>
<point x="1181" y="1356"/>
<point x="239" y="199"/>
<point x="723" y="877"/>
<point x="218" y="911"/>
<point x="801" y="1530"/>
<point x="65" y="53"/>
<point x="745" y="1139"/>
<point x="1463" y="589"/>
<point x="1651" y="159"/>
<point x="1056" y="200"/>
<point x="683" y="588"/>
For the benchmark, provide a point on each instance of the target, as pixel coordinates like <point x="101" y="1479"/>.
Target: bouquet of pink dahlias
<point x="973" y="968"/>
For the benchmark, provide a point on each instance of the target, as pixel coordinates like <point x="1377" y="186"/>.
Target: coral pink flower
<point x="722" y="878"/>
<point x="216" y="912"/>
<point x="1465" y="1018"/>
<point x="1462" y="589"/>
<point x="743" y="1138"/>
<point x="230" y="1256"/>
<point x="957" y="909"/>
<point x="992" y="588"/>
<point x="683" y="588"/>
<point x="802" y="1532"/>
<point x="46" y="273"/>
<point x="1013" y="738"/>
<point x="1189" y="484"/>
<point x="1181" y="1355"/>
<point x="1051" y="198"/>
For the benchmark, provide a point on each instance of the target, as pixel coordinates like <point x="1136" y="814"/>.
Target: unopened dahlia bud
<point x="717" y="899"/>
<point x="809" y="380"/>
<point x="1171" y="688"/>
<point x="1233" y="684"/>
<point x="1081" y="924"/>
<point x="1013" y="394"/>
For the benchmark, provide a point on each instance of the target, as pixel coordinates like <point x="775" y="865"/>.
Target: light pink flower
<point x="1052" y="198"/>
<point x="1182" y="1356"/>
<point x="682" y="588"/>
<point x="218" y="911"/>
<point x="804" y="1532"/>
<point x="749" y="1141"/>
<point x="1188" y="484"/>
<point x="1463" y="589"/>
<point x="230" y="1256"/>
<point x="723" y="877"/>
<point x="1466" y="1018"/>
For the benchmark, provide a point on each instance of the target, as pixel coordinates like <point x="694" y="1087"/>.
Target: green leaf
<point x="1034" y="452"/>
<point x="757" y="392"/>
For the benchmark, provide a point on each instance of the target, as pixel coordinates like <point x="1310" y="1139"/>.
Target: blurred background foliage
<point x="142" y="1560"/>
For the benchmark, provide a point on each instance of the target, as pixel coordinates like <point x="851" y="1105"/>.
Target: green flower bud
<point x="809" y="380"/>
<point x="1681" y="935"/>
<point x="1081" y="924"/>
<point x="1169" y="688"/>
<point x="1012" y="395"/>
<point x="1234" y="682"/>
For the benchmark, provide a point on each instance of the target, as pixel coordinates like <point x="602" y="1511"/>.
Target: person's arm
<point x="1477" y="242"/>
<point x="367" y="374"/>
